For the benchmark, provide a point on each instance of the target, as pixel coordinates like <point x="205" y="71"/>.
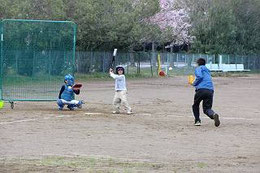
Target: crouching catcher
<point x="67" y="94"/>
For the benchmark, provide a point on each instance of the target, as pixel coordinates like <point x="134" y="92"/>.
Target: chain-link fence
<point x="146" y="63"/>
<point x="35" y="56"/>
<point x="250" y="62"/>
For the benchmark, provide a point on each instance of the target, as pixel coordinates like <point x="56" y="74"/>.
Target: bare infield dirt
<point x="158" y="137"/>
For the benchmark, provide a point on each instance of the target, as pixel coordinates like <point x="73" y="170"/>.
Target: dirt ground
<point x="158" y="137"/>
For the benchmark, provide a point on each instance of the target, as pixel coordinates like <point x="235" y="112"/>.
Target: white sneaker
<point x="197" y="123"/>
<point x="116" y="112"/>
<point x="129" y="112"/>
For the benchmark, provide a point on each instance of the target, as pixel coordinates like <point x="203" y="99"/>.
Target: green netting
<point x="35" y="56"/>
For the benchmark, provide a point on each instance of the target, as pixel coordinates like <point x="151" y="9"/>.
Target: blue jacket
<point x="203" y="78"/>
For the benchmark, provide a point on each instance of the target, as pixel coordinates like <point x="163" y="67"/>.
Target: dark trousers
<point x="206" y="96"/>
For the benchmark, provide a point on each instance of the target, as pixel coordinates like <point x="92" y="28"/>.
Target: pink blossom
<point x="177" y="20"/>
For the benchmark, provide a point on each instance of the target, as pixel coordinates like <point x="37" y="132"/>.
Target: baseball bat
<point x="113" y="59"/>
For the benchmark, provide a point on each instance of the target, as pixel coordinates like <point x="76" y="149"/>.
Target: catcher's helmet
<point x="120" y="68"/>
<point x="69" y="79"/>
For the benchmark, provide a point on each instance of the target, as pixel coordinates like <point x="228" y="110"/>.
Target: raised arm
<point x="113" y="75"/>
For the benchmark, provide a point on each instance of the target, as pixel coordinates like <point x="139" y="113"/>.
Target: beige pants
<point x="121" y="99"/>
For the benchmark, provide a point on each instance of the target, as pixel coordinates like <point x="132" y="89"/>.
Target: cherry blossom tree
<point x="173" y="20"/>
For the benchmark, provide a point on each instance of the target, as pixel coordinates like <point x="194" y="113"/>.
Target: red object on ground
<point x="161" y="73"/>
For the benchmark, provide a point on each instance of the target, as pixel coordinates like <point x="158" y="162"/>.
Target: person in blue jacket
<point x="204" y="91"/>
<point x="67" y="94"/>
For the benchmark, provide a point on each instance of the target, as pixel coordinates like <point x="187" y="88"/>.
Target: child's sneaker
<point x="216" y="119"/>
<point x="60" y="104"/>
<point x="80" y="104"/>
<point x="129" y="112"/>
<point x="71" y="107"/>
<point x="116" y="112"/>
<point x="197" y="123"/>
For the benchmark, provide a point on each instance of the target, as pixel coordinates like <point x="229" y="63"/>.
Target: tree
<point x="105" y="24"/>
<point x="229" y="26"/>
<point x="173" y="22"/>
<point x="102" y="24"/>
<point x="32" y="9"/>
<point x="247" y="19"/>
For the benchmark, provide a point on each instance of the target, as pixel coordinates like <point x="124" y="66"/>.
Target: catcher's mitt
<point x="77" y="86"/>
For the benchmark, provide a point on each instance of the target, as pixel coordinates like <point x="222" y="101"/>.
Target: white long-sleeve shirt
<point x="120" y="83"/>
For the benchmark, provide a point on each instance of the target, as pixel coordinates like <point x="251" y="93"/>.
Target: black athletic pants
<point x="206" y="96"/>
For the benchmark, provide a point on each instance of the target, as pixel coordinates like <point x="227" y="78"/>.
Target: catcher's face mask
<point x="69" y="80"/>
